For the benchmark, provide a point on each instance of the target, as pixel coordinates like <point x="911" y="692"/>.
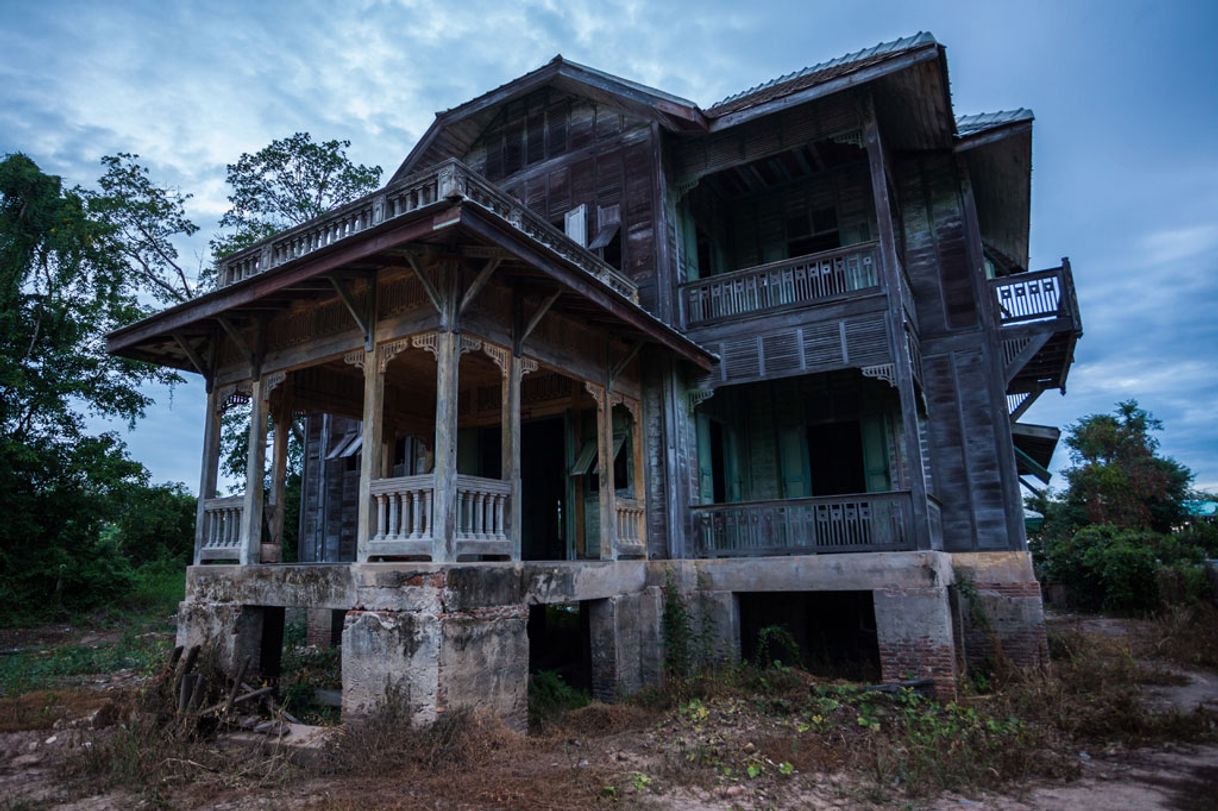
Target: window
<point x="575" y="224"/>
<point x="607" y="244"/>
<point x="814" y="233"/>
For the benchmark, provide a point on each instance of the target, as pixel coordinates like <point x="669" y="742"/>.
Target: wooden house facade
<point x="587" y="320"/>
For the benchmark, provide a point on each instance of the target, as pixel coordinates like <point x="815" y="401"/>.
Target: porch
<point x="805" y="465"/>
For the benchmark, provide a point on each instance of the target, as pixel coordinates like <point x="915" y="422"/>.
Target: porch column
<point x="510" y="448"/>
<point x="444" y="512"/>
<point x="604" y="457"/>
<point x="211" y="465"/>
<point x="370" y="449"/>
<point x="635" y="407"/>
<point x="272" y="551"/>
<point x="898" y="342"/>
<point x="255" y="470"/>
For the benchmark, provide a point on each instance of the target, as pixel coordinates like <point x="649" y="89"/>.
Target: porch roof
<point x="470" y="215"/>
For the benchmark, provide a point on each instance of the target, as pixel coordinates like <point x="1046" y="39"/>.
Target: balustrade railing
<point x="1037" y="296"/>
<point x="222" y="527"/>
<point x="482" y="509"/>
<point x="868" y="522"/>
<point x="448" y="179"/>
<point x="403" y="508"/>
<point x="630" y="517"/>
<point x="796" y="281"/>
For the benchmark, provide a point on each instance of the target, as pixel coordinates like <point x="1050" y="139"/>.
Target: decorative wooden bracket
<point x="697" y="397"/>
<point x="270" y="382"/>
<point x="882" y="371"/>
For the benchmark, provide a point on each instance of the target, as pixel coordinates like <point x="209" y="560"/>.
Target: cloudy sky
<point x="1125" y="158"/>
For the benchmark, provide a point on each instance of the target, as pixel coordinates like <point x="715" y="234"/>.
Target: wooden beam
<point x="191" y="354"/>
<point x="620" y="366"/>
<point x="345" y="296"/>
<point x="478" y="283"/>
<point x="429" y="287"/>
<point x="246" y="350"/>
<point x="536" y="317"/>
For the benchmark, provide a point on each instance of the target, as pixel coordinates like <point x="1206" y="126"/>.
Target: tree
<point x="288" y="182"/>
<point x="1118" y="478"/>
<point x="143" y="220"/>
<point x="63" y="285"/>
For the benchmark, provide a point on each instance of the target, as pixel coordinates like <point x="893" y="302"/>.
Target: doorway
<point x="543" y="489"/>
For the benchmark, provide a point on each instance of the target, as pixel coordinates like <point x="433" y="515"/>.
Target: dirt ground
<point x="602" y="757"/>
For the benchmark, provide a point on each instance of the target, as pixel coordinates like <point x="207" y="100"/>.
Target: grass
<point x="56" y="667"/>
<point x="1187" y="636"/>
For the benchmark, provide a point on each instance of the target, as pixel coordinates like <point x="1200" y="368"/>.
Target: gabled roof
<point x="821" y="72"/>
<point x="969" y="125"/>
<point x="456" y="129"/>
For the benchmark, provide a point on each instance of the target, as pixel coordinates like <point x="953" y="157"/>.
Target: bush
<point x="1126" y="570"/>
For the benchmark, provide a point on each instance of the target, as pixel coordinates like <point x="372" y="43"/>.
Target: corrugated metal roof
<point x="968" y="125"/>
<point x="822" y="72"/>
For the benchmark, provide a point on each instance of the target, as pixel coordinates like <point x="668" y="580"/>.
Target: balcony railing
<point x="790" y="282"/>
<point x="1042" y="295"/>
<point x="446" y="180"/>
<point x="222" y="528"/>
<point x="630" y="520"/>
<point x="483" y="509"/>
<point x="403" y="508"/>
<point x="868" y="522"/>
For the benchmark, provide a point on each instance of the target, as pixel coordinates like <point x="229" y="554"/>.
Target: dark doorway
<point x="559" y="643"/>
<point x="828" y="633"/>
<point x="543" y="489"/>
<point x="835" y="454"/>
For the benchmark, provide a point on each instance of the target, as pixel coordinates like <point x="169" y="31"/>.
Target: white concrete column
<point x="444" y="514"/>
<point x="211" y="465"/>
<point x="370" y="449"/>
<point x="255" y="470"/>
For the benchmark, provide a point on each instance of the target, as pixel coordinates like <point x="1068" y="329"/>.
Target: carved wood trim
<point x="597" y="392"/>
<point x="270" y="382"/>
<point x="697" y="397"/>
<point x="425" y="341"/>
<point x="882" y="371"/>
<point x="391" y="350"/>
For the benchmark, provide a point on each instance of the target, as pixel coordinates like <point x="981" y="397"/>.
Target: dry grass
<point x="1186" y="635"/>
<point x="43" y="708"/>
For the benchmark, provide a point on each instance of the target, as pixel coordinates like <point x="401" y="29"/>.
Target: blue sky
<point x="1125" y="177"/>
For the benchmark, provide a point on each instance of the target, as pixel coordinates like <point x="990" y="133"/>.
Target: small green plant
<point x="550" y="697"/>
<point x="641" y="782"/>
<point x="776" y="647"/>
<point x="677" y="627"/>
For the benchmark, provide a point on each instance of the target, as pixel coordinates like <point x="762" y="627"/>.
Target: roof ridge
<point x="919" y="39"/>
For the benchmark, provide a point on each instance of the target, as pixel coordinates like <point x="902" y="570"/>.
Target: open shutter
<point x="706" y="474"/>
<point x="875" y="453"/>
<point x="576" y="224"/>
<point x="793" y="459"/>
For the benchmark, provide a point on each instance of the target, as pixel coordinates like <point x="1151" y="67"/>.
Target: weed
<point x="53" y="668"/>
<point x="550" y="697"/>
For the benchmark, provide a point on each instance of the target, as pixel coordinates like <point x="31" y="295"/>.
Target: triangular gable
<point x="455" y="131"/>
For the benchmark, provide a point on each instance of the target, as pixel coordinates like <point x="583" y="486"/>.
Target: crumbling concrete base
<point x="625" y="637"/>
<point x="1002" y="610"/>
<point x="436" y="662"/>
<point x="231" y="632"/>
<point x="914" y="630"/>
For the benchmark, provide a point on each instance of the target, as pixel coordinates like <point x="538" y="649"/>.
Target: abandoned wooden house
<point x="591" y="338"/>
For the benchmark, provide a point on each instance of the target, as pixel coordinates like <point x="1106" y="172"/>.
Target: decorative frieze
<point x="881" y="371"/>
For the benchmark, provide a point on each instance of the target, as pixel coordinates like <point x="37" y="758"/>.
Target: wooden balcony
<point x="1039" y="317"/>
<point x="444" y="181"/>
<point x="790" y="283"/>
<point x="865" y="522"/>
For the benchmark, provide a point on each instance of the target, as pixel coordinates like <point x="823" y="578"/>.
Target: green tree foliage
<point x="1118" y="478"/>
<point x="288" y="182"/>
<point x="1118" y="536"/>
<point x="64" y="283"/>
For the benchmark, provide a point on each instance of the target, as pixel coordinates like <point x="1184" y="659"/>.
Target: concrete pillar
<point x="232" y="632"/>
<point x="255" y="470"/>
<point x="624" y="634"/>
<point x="444" y="514"/>
<point x="914" y="630"/>
<point x="1001" y="608"/>
<point x="211" y="464"/>
<point x="437" y="662"/>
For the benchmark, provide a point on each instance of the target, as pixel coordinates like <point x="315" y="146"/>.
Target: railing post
<point x="211" y="465"/>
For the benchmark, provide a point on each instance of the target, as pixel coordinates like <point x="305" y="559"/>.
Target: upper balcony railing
<point x="800" y="280"/>
<point x="864" y="522"/>
<point x="449" y="179"/>
<point x="1039" y="296"/>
